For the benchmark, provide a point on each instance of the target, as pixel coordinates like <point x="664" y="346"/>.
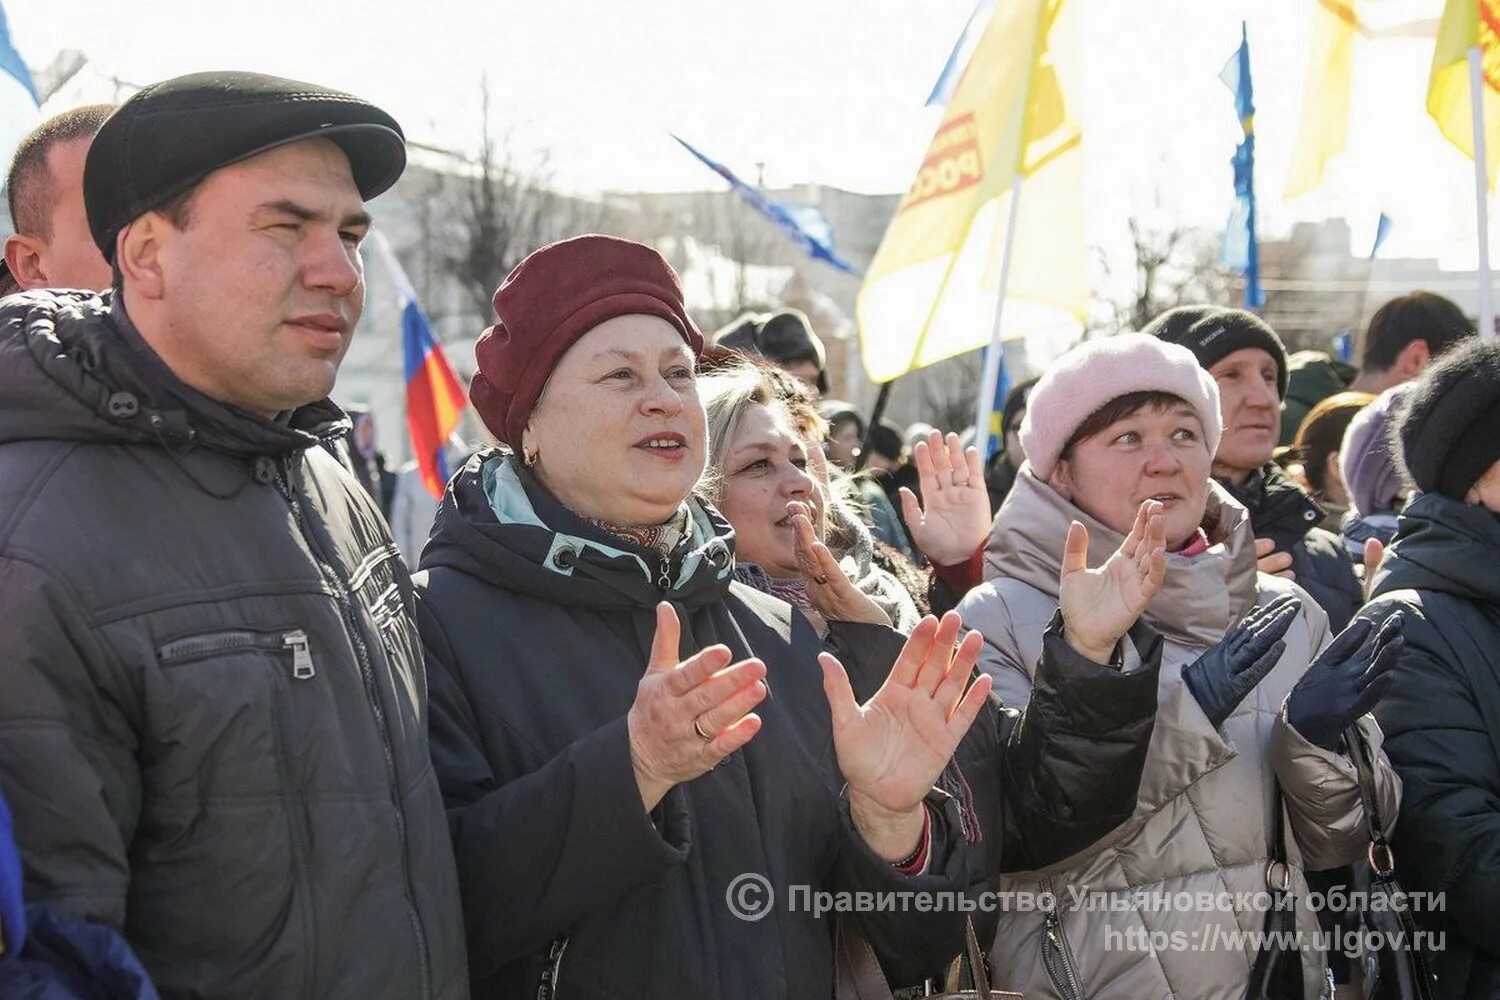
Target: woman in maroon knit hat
<point x="623" y="736"/>
<point x="639" y="764"/>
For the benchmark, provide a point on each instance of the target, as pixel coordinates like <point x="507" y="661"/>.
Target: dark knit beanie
<point x="1213" y="333"/>
<point x="1449" y="429"/>
<point x="1015" y="402"/>
<point x="885" y="440"/>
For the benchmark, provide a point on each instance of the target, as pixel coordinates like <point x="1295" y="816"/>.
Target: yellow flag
<point x="1467" y="24"/>
<point x="931" y="291"/>
<point x="1324" y="128"/>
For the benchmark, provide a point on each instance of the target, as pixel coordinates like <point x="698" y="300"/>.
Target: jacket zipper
<point x="664" y="577"/>
<point x="361" y="654"/>
<point x="1055" y="957"/>
<point x="202" y="647"/>
<point x="552" y="973"/>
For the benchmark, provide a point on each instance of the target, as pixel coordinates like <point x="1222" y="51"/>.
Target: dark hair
<point x="1119" y="408"/>
<point x="1418" y="316"/>
<point x="885" y="439"/>
<point x="28" y="186"/>
<point x="836" y="412"/>
<point x="1015" y="402"/>
<point x="1322" y="434"/>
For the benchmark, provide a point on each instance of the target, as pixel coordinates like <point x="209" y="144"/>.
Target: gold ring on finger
<point x="698" y="728"/>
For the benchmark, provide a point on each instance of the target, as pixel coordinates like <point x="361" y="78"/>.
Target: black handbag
<point x="1391" y="973"/>
<point x="1276" y="973"/>
<point x="857" y="973"/>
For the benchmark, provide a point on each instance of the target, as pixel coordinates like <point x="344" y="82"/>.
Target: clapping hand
<point x="1346" y="680"/>
<point x="1221" y="677"/>
<point x="952" y="519"/>
<point x="688" y="715"/>
<point x="892" y="748"/>
<point x="1100" y="605"/>
<point x="832" y="592"/>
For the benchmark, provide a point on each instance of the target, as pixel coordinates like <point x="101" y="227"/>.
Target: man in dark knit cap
<point x="1249" y="363"/>
<point x="212" y="702"/>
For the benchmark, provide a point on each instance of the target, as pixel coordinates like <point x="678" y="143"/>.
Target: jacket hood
<point x="1445" y="546"/>
<point x="498" y="524"/>
<point x="74" y="368"/>
<point x="1202" y="596"/>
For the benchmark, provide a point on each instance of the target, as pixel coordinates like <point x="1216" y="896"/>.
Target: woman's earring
<point x="529" y="456"/>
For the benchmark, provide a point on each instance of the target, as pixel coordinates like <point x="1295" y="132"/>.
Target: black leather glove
<point x="1345" y="681"/>
<point x="1221" y="677"/>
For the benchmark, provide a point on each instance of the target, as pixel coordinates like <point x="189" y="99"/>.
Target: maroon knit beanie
<point x="553" y="297"/>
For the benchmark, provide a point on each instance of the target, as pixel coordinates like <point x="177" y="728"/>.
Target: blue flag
<point x="803" y="225"/>
<point x="1240" y="250"/>
<point x="953" y="69"/>
<point x="995" y="439"/>
<point x="11" y="62"/>
<point x="1382" y="230"/>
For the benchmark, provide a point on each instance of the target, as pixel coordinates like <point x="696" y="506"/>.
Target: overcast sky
<point x="825" y="91"/>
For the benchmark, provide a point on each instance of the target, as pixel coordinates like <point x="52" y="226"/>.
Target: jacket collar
<point x="102" y="381"/>
<point x="1445" y="546"/>
<point x="498" y="523"/>
<point x="1279" y="509"/>
<point x="1202" y="596"/>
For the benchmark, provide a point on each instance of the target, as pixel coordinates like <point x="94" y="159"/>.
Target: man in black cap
<point x="786" y="339"/>
<point x="212" y="700"/>
<point x="1249" y="364"/>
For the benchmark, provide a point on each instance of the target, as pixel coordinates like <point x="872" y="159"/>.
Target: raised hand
<point x="1100" y="605"/>
<point x="1221" y="677"/>
<point x="892" y="748"/>
<point x="689" y="715"/>
<point x="952" y="519"/>
<point x="833" y="593"/>
<point x="1345" y="681"/>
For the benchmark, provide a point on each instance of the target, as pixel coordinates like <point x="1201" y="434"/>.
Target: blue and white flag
<point x="1240" y="250"/>
<point x="953" y="69"/>
<point x="11" y="62"/>
<point x="1382" y="230"/>
<point x="802" y="224"/>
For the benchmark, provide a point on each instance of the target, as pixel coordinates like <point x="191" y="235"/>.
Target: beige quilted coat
<point x="1201" y="824"/>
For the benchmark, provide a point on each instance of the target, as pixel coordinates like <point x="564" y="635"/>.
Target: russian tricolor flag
<point x="435" y="399"/>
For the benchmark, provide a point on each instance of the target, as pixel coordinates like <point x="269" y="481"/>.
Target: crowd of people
<point x="1118" y="714"/>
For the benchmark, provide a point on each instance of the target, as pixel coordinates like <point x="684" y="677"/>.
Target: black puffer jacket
<point x="538" y="627"/>
<point x="212" y="702"/>
<point x="1281" y="511"/>
<point x="1442" y="729"/>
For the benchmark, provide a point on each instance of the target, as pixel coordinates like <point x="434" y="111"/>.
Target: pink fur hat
<point x="1098" y="371"/>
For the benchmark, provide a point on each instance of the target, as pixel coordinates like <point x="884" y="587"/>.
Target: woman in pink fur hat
<point x="1117" y="423"/>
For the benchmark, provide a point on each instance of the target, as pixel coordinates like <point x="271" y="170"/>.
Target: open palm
<point x="1100" y="605"/>
<point x="892" y="748"/>
<point x="953" y="517"/>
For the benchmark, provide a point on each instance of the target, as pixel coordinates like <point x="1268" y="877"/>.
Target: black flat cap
<point x="171" y="135"/>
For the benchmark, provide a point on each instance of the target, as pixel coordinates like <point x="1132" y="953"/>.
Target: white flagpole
<point x="991" y="379"/>
<point x="1481" y="193"/>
